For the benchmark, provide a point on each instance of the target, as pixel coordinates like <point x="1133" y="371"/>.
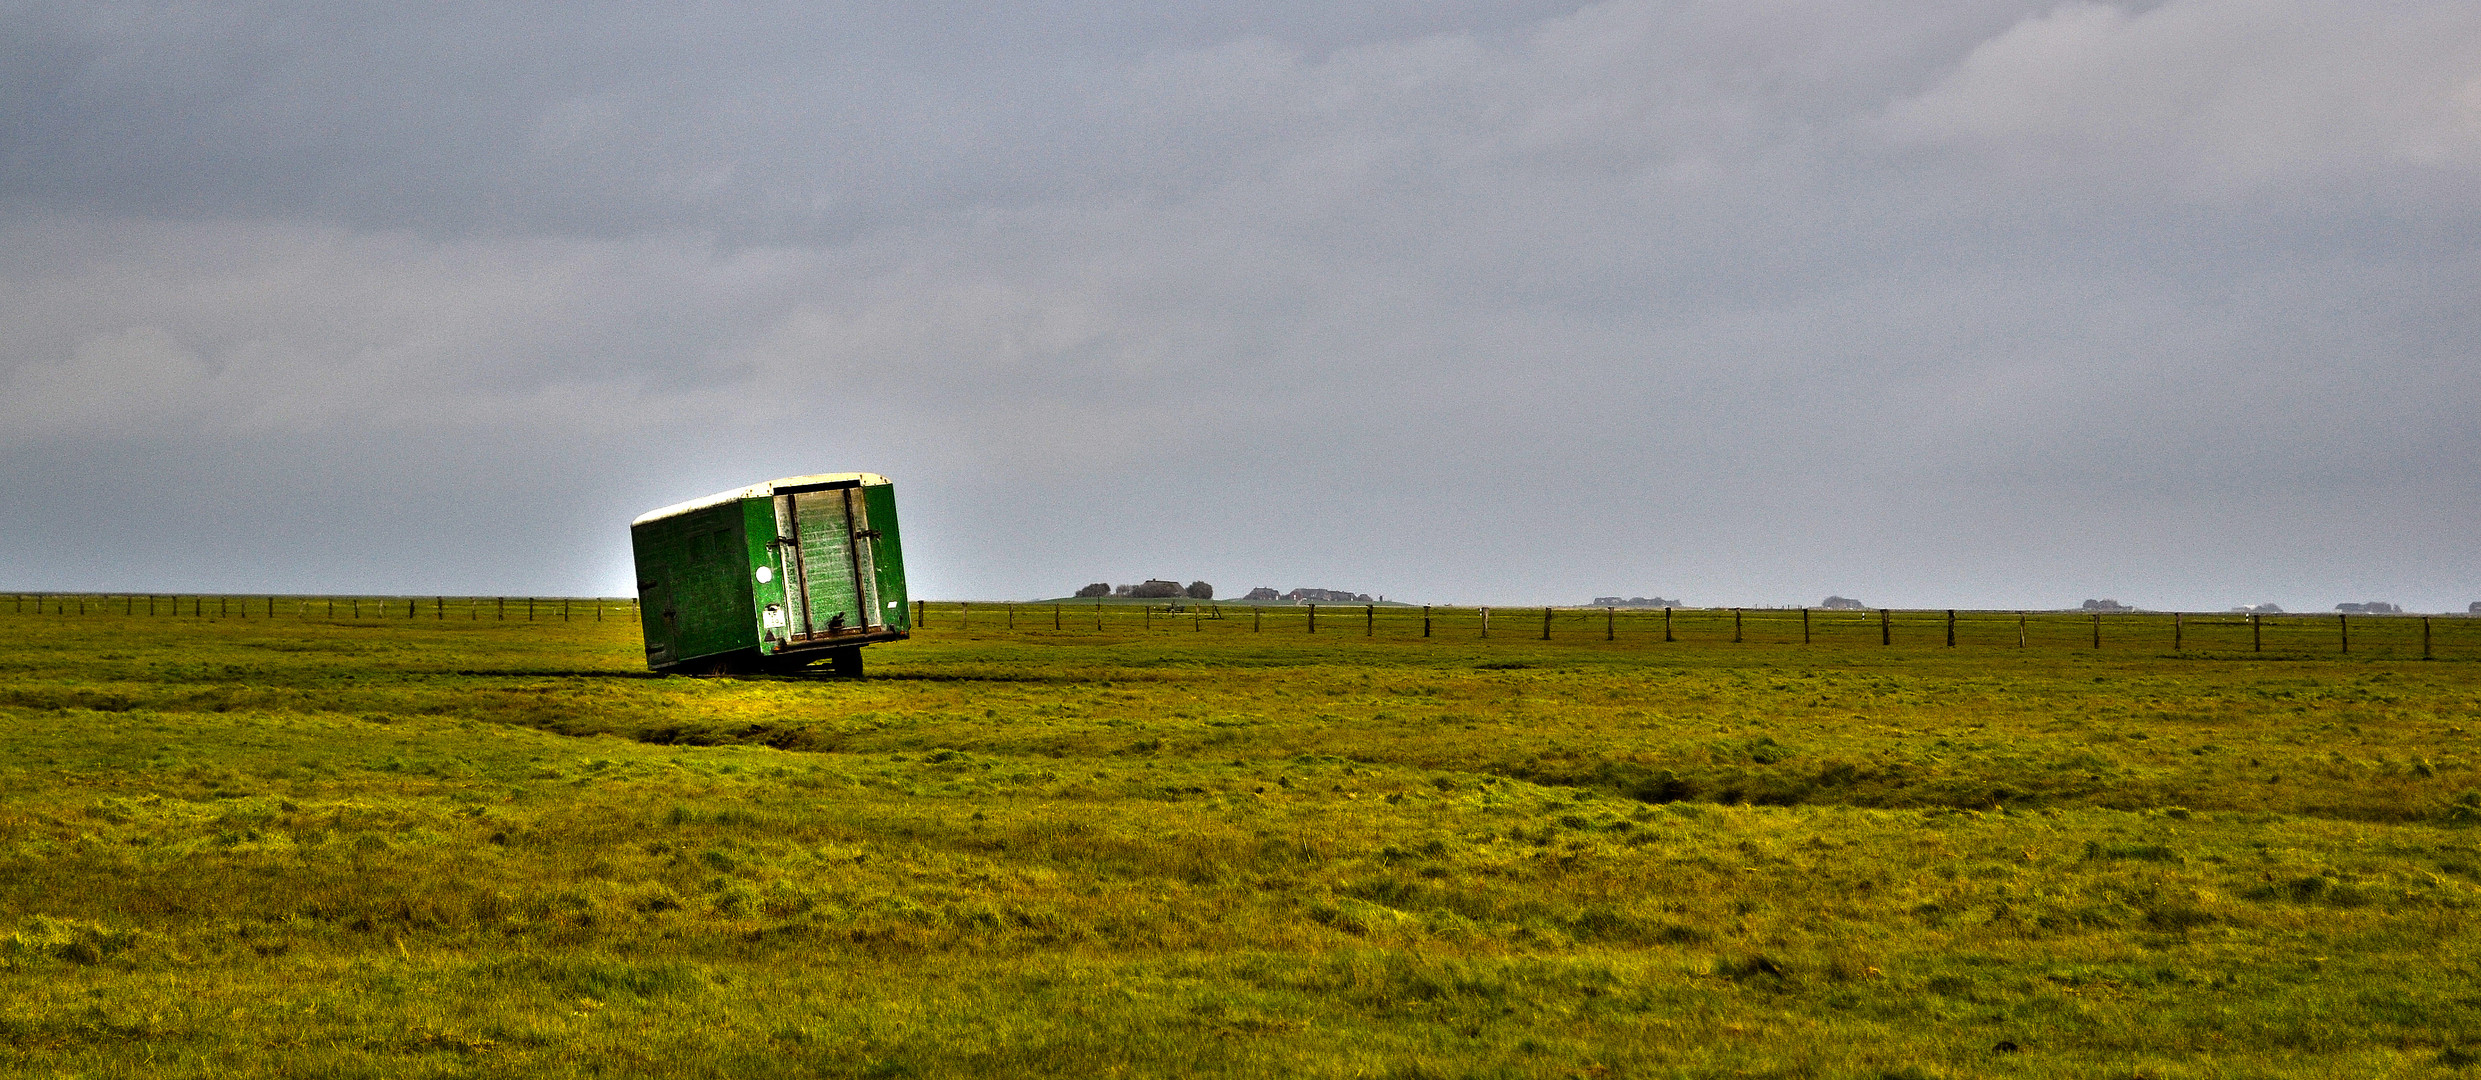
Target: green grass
<point x="432" y="848"/>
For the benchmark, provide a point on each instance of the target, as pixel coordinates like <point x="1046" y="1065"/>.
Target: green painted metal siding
<point x="768" y="599"/>
<point x="895" y="606"/>
<point x="694" y="585"/>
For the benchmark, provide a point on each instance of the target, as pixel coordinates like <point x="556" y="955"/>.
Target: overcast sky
<point x="1973" y="303"/>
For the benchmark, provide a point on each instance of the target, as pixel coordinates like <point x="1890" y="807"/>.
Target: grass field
<point x="430" y="847"/>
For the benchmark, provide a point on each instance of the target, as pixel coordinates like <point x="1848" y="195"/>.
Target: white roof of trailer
<point x="759" y="491"/>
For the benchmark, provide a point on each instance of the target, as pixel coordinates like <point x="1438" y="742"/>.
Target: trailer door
<point x="865" y="555"/>
<point x="834" y="591"/>
<point x="661" y="621"/>
<point x="787" y="552"/>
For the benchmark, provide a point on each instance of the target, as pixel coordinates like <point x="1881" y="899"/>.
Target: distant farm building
<point x="1325" y="596"/>
<point x="2372" y="607"/>
<point x="2258" y="609"/>
<point x="2106" y="605"/>
<point x="1263" y="594"/>
<point x="1843" y="603"/>
<point x="1150" y="589"/>
<point x="1636" y="601"/>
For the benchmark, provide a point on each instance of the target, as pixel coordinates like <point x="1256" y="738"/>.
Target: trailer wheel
<point x="845" y="663"/>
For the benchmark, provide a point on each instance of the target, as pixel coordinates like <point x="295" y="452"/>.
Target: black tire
<point x="845" y="663"/>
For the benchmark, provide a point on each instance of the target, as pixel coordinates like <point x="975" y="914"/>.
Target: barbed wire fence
<point x="323" y="607"/>
<point x="2339" y="633"/>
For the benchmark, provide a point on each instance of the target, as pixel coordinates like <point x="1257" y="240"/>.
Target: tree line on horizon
<point x="1150" y="589"/>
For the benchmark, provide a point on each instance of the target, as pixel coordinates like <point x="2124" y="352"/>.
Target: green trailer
<point x="773" y="576"/>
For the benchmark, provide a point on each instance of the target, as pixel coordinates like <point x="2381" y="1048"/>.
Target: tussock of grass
<point x="255" y="848"/>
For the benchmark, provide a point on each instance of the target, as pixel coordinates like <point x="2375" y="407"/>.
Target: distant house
<point x="1843" y="603"/>
<point x="2258" y="609"/>
<point x="2106" y="605"/>
<point x="1324" y="596"/>
<point x="1636" y="601"/>
<point x="2372" y="607"/>
<point x="1263" y="593"/>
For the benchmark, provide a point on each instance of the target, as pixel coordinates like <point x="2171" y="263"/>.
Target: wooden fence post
<point x="1735" y="626"/>
<point x="1055" y="616"/>
<point x="2020" y="629"/>
<point x="2097" y="629"/>
<point x="1485" y="613"/>
<point x="1610" y="624"/>
<point x="1546" y="624"/>
<point x="1886" y="628"/>
<point x="1667" y="624"/>
<point x="1012" y="616"/>
<point x="1425" y="620"/>
<point x="2256" y="633"/>
<point x="1257" y="618"/>
<point x="1098" y="614"/>
<point x="1951" y="628"/>
<point x="2424" y="637"/>
<point x="1313" y="618"/>
<point x="1804" y="626"/>
<point x="2343" y="628"/>
<point x="1369" y="621"/>
<point x="2176" y="642"/>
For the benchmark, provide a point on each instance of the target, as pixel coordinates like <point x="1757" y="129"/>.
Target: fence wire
<point x="2216" y="632"/>
<point x="339" y="608"/>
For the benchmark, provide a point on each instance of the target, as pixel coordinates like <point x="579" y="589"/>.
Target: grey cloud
<point x="2217" y="93"/>
<point x="1741" y="300"/>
